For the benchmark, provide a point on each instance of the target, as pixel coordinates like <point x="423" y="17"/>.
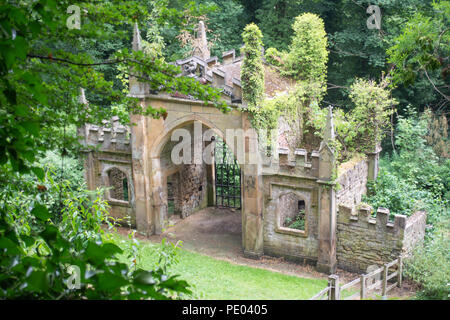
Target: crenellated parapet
<point x="299" y="160"/>
<point x="111" y="137"/>
<point x="363" y="240"/>
<point x="362" y="218"/>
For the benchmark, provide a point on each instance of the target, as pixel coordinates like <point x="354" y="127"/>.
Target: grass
<point x="216" y="279"/>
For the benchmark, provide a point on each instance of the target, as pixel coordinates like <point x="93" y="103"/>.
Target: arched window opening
<point x="119" y="183"/>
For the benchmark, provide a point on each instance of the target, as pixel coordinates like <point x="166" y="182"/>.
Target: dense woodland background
<point x="49" y="220"/>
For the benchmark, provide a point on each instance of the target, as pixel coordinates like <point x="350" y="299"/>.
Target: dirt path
<point x="217" y="232"/>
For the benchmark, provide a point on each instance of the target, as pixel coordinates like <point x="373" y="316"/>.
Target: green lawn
<point x="216" y="279"/>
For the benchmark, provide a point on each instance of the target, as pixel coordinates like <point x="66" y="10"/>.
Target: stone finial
<point x="137" y="89"/>
<point x="329" y="129"/>
<point x="201" y="43"/>
<point x="137" y="41"/>
<point x="327" y="158"/>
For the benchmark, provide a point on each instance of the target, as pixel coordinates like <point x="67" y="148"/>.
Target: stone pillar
<point x="326" y="261"/>
<point x="139" y="152"/>
<point x="372" y="162"/>
<point x="139" y="158"/>
<point x="252" y="197"/>
<point x="327" y="229"/>
<point x="158" y="206"/>
<point x="252" y="211"/>
<point x="210" y="179"/>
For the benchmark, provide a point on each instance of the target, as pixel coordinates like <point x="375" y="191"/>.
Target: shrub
<point x="430" y="265"/>
<point x="50" y="227"/>
<point x="412" y="178"/>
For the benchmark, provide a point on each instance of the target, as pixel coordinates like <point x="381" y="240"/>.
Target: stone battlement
<point x="363" y="241"/>
<point x="300" y="157"/>
<point x="111" y="137"/>
<point x="362" y="218"/>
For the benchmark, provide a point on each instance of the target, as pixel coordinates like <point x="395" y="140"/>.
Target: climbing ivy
<point x="370" y="116"/>
<point x="306" y="63"/>
<point x="252" y="72"/>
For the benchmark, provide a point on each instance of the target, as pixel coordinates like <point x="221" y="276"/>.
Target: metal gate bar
<point x="227" y="176"/>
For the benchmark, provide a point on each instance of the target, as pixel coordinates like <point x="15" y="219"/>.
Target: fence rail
<point x="322" y="295"/>
<point x="333" y="291"/>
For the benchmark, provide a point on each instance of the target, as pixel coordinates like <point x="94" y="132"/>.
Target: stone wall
<point x="414" y="231"/>
<point x="108" y="148"/>
<point x="352" y="182"/>
<point x="193" y="189"/>
<point x="289" y="243"/>
<point x="363" y="241"/>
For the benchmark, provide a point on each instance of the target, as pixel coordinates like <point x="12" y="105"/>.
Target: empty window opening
<point x="294" y="214"/>
<point x="119" y="183"/>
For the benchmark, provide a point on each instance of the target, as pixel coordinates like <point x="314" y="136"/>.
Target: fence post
<point x="385" y="275"/>
<point x="333" y="283"/>
<point x="400" y="271"/>
<point x="363" y="287"/>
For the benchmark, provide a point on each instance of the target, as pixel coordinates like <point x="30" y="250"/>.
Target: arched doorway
<point x="196" y="169"/>
<point x="150" y="173"/>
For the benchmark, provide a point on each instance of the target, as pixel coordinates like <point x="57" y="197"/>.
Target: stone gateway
<point x="290" y="203"/>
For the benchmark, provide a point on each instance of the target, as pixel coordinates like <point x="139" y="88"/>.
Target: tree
<point x="423" y="49"/>
<point x="226" y="25"/>
<point x="44" y="61"/>
<point x="308" y="56"/>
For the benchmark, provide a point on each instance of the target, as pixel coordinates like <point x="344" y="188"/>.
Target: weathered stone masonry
<point x="365" y="241"/>
<point x="338" y="230"/>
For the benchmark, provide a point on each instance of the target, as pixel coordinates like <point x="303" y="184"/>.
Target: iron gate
<point x="227" y="176"/>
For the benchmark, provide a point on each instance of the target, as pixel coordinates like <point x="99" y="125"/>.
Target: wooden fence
<point x="365" y="284"/>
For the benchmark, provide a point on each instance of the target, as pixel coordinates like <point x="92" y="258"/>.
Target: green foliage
<point x="299" y="107"/>
<point x="225" y="25"/>
<point x="430" y="265"/>
<point x="40" y="245"/>
<point x="252" y="72"/>
<point x="213" y="278"/>
<point x="49" y="221"/>
<point x="275" y="18"/>
<point x="274" y="57"/>
<point x="354" y="49"/>
<point x="357" y="131"/>
<point x="413" y="178"/>
<point x="308" y="56"/>
<point x="437" y="135"/>
<point x="373" y="106"/>
<point x="43" y="67"/>
<point x="297" y="223"/>
<point x="422" y="46"/>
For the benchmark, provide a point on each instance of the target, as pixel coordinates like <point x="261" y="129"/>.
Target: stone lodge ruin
<point x="290" y="186"/>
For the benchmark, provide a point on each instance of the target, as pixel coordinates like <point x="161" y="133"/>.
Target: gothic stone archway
<point x="149" y="136"/>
